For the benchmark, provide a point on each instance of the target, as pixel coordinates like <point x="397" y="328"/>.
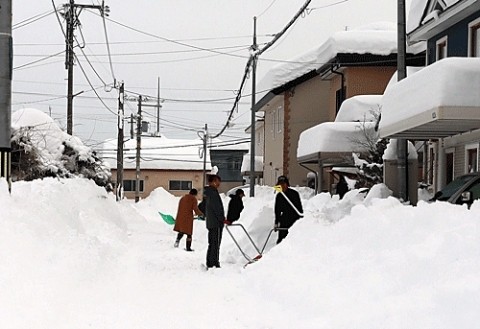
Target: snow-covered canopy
<point x="359" y="108"/>
<point x="376" y="38"/>
<point x="334" y="137"/>
<point x="246" y="163"/>
<point x="160" y="153"/>
<point x="438" y="101"/>
<point x="394" y="79"/>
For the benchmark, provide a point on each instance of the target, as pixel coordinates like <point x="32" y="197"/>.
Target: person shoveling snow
<point x="187" y="205"/>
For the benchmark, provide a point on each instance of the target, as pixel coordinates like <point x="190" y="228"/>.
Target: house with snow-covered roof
<point x="440" y="104"/>
<point x="174" y="164"/>
<point x="310" y="89"/>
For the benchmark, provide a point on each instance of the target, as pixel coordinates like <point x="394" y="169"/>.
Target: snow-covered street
<point x="73" y="258"/>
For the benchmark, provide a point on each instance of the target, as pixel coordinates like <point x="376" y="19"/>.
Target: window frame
<point x="181" y="181"/>
<point x="441" y="43"/>
<point x="469" y="147"/>
<point x="133" y="183"/>
<point x="473" y="31"/>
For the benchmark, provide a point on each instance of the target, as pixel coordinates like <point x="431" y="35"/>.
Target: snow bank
<point x="391" y="151"/>
<point x="74" y="258"/>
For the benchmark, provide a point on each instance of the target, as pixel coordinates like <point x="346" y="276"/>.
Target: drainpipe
<point x="315" y="173"/>
<point x="342" y="75"/>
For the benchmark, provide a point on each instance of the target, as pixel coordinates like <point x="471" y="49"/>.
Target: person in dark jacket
<point x="184" y="219"/>
<point x="235" y="206"/>
<point x="288" y="208"/>
<point x="215" y="219"/>
<point x="342" y="186"/>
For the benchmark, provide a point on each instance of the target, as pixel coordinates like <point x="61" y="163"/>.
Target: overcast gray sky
<point x="190" y="79"/>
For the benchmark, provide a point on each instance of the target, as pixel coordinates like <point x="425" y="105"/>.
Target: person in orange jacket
<point x="184" y="221"/>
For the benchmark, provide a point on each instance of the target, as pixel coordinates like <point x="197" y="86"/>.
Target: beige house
<point x="310" y="89"/>
<point x="174" y="164"/>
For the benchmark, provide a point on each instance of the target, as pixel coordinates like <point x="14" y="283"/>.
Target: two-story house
<point x="310" y="89"/>
<point x="440" y="104"/>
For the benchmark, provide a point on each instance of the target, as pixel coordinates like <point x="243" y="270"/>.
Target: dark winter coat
<point x="214" y="208"/>
<point x="285" y="215"/>
<point x="342" y="187"/>
<point x="184" y="220"/>
<point x="235" y="207"/>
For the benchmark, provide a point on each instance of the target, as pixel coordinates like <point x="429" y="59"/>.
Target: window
<point x="131" y="184"/>
<point x="442" y="45"/>
<point x="180" y="185"/>
<point x="279" y="120"/>
<point x="450" y="159"/>
<point x="474" y="38"/>
<point x="471" y="158"/>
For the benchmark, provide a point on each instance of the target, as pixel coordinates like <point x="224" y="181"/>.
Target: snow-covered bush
<point x="41" y="149"/>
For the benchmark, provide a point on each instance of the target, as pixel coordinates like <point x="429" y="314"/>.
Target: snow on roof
<point x="220" y="145"/>
<point x="377" y="39"/>
<point x="447" y="89"/>
<point x="246" y="163"/>
<point x="334" y="137"/>
<point x="417" y="10"/>
<point x="359" y="108"/>
<point x="394" y="79"/>
<point x="47" y="136"/>
<point x="159" y="153"/>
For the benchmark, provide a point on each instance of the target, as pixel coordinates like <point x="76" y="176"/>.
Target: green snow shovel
<point x="169" y="219"/>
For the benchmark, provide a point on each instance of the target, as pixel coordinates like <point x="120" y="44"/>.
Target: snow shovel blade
<point x="169" y="219"/>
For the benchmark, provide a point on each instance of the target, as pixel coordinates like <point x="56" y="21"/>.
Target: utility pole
<point x="253" y="114"/>
<point x="139" y="143"/>
<point x="72" y="13"/>
<point x="121" y="102"/>
<point x="6" y="60"/>
<point x="402" y="144"/>
<point x="158" y="106"/>
<point x="205" y="141"/>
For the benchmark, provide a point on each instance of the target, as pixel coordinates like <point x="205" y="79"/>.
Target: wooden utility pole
<point x="402" y="144"/>
<point x="139" y="147"/>
<point x="159" y="106"/>
<point x="6" y="58"/>
<point x="205" y="141"/>
<point x="253" y="113"/>
<point x="121" y="102"/>
<point x="72" y="21"/>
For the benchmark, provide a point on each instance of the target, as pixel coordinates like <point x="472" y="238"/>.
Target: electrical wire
<point x="169" y="40"/>
<point x="38" y="60"/>
<point x="31" y="20"/>
<point x="108" y="47"/>
<point x="266" y="9"/>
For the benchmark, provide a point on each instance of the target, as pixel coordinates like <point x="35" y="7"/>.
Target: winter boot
<point x="189" y="245"/>
<point x="177" y="242"/>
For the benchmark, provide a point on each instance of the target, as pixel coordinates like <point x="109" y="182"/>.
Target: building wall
<point x="457" y="42"/>
<point x="306" y="106"/>
<point x="160" y="178"/>
<point x="273" y="152"/>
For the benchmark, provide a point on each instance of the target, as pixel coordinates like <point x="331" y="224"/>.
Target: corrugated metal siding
<point x="459" y="160"/>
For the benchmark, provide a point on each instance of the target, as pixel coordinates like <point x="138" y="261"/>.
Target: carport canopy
<point x="439" y="101"/>
<point x="331" y="140"/>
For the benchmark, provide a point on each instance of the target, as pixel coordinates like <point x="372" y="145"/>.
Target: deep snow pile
<point x="73" y="258"/>
<point x="42" y="149"/>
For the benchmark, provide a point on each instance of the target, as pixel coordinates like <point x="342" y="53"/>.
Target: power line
<point x="31" y="20"/>
<point x="266" y="9"/>
<point x="169" y="40"/>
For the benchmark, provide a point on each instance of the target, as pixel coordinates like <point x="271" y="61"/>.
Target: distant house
<point x="310" y="90"/>
<point x="174" y="164"/>
<point x="228" y="157"/>
<point x="440" y="105"/>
